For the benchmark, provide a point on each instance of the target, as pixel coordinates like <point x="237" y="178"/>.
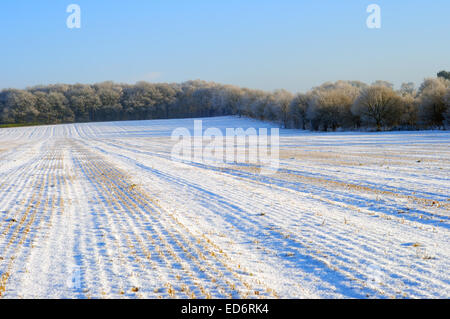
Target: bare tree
<point x="298" y="109"/>
<point x="432" y="106"/>
<point x="332" y="105"/>
<point x="379" y="106"/>
<point x="409" y="112"/>
<point x="331" y="109"/>
<point x="283" y="99"/>
<point x="408" y="89"/>
<point x="447" y="104"/>
<point x="383" y="83"/>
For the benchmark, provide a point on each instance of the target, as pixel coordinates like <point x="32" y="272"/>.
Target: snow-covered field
<point x="100" y="210"/>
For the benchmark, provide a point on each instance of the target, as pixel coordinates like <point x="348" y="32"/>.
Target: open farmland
<point x="100" y="210"/>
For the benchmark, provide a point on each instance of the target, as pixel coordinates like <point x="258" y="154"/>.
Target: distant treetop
<point x="444" y="74"/>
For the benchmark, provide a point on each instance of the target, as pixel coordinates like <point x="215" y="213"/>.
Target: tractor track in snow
<point x="97" y="211"/>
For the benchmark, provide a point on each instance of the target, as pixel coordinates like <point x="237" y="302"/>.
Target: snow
<point x="100" y="210"/>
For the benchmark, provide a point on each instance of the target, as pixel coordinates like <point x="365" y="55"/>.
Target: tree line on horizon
<point x="346" y="105"/>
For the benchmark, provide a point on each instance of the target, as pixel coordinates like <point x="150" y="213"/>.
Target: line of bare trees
<point x="331" y="106"/>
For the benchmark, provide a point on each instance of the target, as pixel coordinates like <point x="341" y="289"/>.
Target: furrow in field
<point x="164" y="222"/>
<point x="237" y="223"/>
<point x="340" y="240"/>
<point x="345" y="191"/>
<point x="100" y="210"/>
<point x="18" y="238"/>
<point x="168" y="232"/>
<point x="134" y="239"/>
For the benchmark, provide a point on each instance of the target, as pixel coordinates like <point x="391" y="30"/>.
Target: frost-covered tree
<point x="110" y="95"/>
<point x="447" y="104"/>
<point x="408" y="89"/>
<point x="330" y="109"/>
<point x="19" y="107"/>
<point x="325" y="107"/>
<point x="432" y="106"/>
<point x="232" y="97"/>
<point x="330" y="105"/>
<point x="282" y="100"/>
<point x="83" y="101"/>
<point x="46" y="113"/>
<point x="383" y="83"/>
<point x="298" y="109"/>
<point x="60" y="106"/>
<point x="409" y="109"/>
<point x="409" y="112"/>
<point x="378" y="105"/>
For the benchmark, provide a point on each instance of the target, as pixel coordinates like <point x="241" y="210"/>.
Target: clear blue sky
<point x="291" y="44"/>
